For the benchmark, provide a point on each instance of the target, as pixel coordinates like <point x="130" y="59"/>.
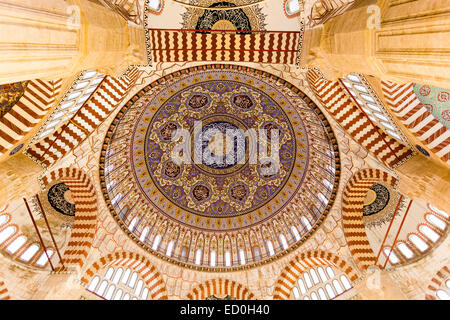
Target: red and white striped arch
<point x="85" y="198"/>
<point x="220" y="287"/>
<point x="136" y="262"/>
<point x="352" y="213"/>
<point x="304" y="261"/>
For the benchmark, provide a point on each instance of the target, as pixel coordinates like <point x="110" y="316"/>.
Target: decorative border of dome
<point x="263" y="74"/>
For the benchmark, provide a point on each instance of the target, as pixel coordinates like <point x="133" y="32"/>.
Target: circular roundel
<point x="219" y="156"/>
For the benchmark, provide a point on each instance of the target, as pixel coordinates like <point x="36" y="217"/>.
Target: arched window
<point x="110" y="292"/>
<point x="429" y="233"/>
<point x="94" y="282"/>
<point x="418" y="242"/>
<point x="155" y="5"/>
<point x="118" y="295"/>
<point x="30" y="252"/>
<point x="156" y="242"/>
<point x="126" y="276"/>
<point x="133" y="279"/>
<point x="144" y="234"/>
<point x="316" y="284"/>
<point x="431" y="218"/>
<point x="330" y="272"/>
<point x="76" y="97"/>
<point x="443" y="213"/>
<point x="117" y="276"/>
<point x="183" y="253"/>
<point x="314" y="276"/>
<point x="322" y="294"/>
<point x="7" y="233"/>
<point x="101" y="289"/>
<point x="392" y="256"/>
<point x="328" y="184"/>
<point x="3" y="219"/>
<point x="404" y="249"/>
<point x="137" y="290"/>
<point x="256" y="253"/>
<point x="133" y="224"/>
<point x="322" y="198"/>
<point x="227" y="258"/>
<point x="198" y="257"/>
<point x="270" y="248"/>
<point x="330" y="291"/>
<point x="306" y="223"/>
<point x="301" y="285"/>
<point x="16" y="244"/>
<point x="109" y="273"/>
<point x="242" y="256"/>
<point x="283" y="241"/>
<point x="144" y="294"/>
<point x="170" y="248"/>
<point x="118" y="285"/>
<point x="296" y="293"/>
<point x="295" y="232"/>
<point x="292" y="7"/>
<point x="358" y="87"/>
<point x="322" y="274"/>
<point x="338" y="287"/>
<point x="213" y="259"/>
<point x="42" y="261"/>
<point x="442" y="294"/>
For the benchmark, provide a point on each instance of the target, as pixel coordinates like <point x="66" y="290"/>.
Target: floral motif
<point x="443" y="96"/>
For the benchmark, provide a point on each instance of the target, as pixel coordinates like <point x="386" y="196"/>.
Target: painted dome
<point x="219" y="166"/>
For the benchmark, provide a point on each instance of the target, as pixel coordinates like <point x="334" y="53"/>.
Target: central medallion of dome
<point x="228" y="126"/>
<point x="219" y="150"/>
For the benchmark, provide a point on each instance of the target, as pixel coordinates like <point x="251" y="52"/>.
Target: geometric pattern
<point x="303" y="262"/>
<point x="220" y="287"/>
<point x="404" y="103"/>
<point x="38" y="98"/>
<point x="85" y="198"/>
<point x="129" y="208"/>
<point x="436" y="101"/>
<point x="4" y="292"/>
<point x="174" y="45"/>
<point x="136" y="262"/>
<point x="94" y="111"/>
<point x="436" y="282"/>
<point x="388" y="150"/>
<point x="352" y="213"/>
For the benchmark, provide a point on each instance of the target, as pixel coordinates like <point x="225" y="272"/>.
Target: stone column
<point x="410" y="44"/>
<point x="51" y="39"/>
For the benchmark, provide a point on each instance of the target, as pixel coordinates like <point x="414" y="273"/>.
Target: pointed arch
<point x="85" y="198"/>
<point x="138" y="263"/>
<point x="352" y="213"/>
<point x="220" y="287"/>
<point x="303" y="262"/>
